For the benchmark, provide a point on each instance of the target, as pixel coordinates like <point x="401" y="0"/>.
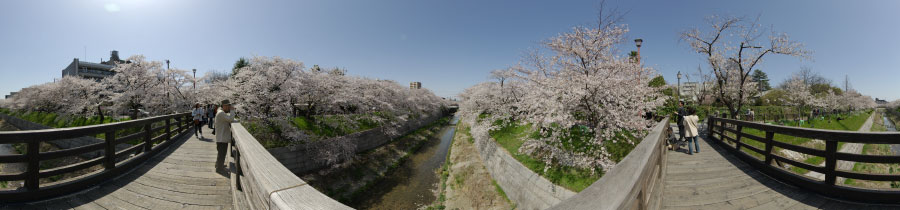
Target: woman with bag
<point x="690" y="132"/>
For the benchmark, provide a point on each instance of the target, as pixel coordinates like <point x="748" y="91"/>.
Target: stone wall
<point x="61" y="143"/>
<point x="298" y="158"/>
<point x="526" y="189"/>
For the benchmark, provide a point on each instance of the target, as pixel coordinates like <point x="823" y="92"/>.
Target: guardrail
<point x="266" y="183"/>
<point x="114" y="162"/>
<point x="634" y="183"/>
<point x="719" y="130"/>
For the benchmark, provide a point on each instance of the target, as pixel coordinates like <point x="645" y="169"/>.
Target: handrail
<point x="719" y="129"/>
<point x="114" y="162"/>
<point x="634" y="183"/>
<point x="266" y="183"/>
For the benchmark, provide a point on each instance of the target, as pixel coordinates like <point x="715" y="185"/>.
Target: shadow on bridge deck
<point x="180" y="177"/>
<point x="716" y="179"/>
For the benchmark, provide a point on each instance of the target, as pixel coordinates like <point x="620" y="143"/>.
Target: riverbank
<point x="466" y="184"/>
<point x="883" y="123"/>
<point x="349" y="182"/>
<point x="14" y="168"/>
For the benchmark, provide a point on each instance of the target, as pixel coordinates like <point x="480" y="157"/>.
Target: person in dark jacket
<point x="680" y="120"/>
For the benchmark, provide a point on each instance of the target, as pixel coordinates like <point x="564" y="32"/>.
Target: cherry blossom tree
<point x="798" y="93"/>
<point x="81" y="96"/>
<point x="576" y="82"/>
<point x="733" y="49"/>
<point x="262" y="89"/>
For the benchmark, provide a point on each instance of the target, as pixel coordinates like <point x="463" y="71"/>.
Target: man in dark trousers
<point x="223" y="121"/>
<point x="680" y="120"/>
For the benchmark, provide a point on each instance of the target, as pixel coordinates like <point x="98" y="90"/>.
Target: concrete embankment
<point x="526" y="189"/>
<point x="468" y="184"/>
<point x="298" y="158"/>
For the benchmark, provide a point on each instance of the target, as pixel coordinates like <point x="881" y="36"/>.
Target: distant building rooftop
<point x="93" y="70"/>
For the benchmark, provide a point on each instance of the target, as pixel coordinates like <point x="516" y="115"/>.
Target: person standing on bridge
<point x="680" y="120"/>
<point x="690" y="124"/>
<point x="223" y="121"/>
<point x="198" y="115"/>
<point x="210" y="115"/>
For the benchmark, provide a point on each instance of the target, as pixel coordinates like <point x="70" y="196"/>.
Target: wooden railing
<point x="114" y="162"/>
<point x="265" y="183"/>
<point x="732" y="131"/>
<point x="634" y="183"/>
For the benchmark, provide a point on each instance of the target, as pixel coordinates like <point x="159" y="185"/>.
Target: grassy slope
<point x="876" y="168"/>
<point x="512" y="137"/>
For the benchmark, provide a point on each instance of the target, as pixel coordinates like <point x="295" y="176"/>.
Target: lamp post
<point x="195" y="79"/>
<point x="638" y="42"/>
<point x="679" y="86"/>
<point x="167" y="64"/>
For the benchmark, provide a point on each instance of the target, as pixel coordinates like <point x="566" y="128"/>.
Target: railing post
<point x="830" y="161"/>
<point x="721" y="131"/>
<point x="168" y="129"/>
<point x="769" y="138"/>
<point x="237" y="163"/>
<point x="148" y="144"/>
<point x="110" y="154"/>
<point x="32" y="174"/>
<point x="181" y="123"/>
<point x="709" y="126"/>
<point x="737" y="137"/>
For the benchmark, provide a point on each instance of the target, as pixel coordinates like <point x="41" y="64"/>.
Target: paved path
<point x="716" y="179"/>
<point x="181" y="177"/>
<point x="852" y="148"/>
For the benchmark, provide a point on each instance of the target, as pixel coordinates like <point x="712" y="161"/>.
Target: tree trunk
<point x="100" y="112"/>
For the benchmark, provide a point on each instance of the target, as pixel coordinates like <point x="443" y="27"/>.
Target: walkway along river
<point x="413" y="184"/>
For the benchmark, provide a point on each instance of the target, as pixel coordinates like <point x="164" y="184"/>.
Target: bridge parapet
<point x="266" y="183"/>
<point x="634" y="183"/>
<point x="115" y="161"/>
<point x="731" y="134"/>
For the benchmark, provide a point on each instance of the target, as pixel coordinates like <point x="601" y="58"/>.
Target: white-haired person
<point x="223" y="121"/>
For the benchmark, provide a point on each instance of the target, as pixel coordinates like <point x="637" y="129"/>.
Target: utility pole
<point x="846" y="83"/>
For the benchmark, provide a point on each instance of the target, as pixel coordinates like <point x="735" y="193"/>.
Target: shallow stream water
<point x="891" y="127"/>
<point x="413" y="183"/>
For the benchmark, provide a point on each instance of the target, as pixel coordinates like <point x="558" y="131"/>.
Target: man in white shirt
<point x="223" y="121"/>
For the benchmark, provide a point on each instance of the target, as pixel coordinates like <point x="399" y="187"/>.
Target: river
<point x="7" y="149"/>
<point x="889" y="126"/>
<point x="412" y="185"/>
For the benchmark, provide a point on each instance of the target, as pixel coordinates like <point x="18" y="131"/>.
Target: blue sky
<point x="447" y="45"/>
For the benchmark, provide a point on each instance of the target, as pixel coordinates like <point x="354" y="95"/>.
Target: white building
<point x="90" y="70"/>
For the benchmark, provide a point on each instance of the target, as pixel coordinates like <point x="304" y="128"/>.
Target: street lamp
<point x="167" y="64"/>
<point x="679" y="85"/>
<point x="195" y="78"/>
<point x="638" y="42"/>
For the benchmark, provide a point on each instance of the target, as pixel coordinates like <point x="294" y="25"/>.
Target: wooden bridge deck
<point x="181" y="177"/>
<point x="716" y="179"/>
